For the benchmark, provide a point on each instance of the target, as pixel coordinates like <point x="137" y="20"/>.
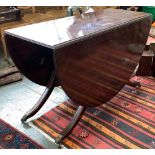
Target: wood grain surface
<point x="94" y="55"/>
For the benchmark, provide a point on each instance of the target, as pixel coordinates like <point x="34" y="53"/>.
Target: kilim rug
<point x="127" y="121"/>
<point x="10" y="138"/>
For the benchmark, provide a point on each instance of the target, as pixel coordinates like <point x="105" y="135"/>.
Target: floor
<point x="17" y="98"/>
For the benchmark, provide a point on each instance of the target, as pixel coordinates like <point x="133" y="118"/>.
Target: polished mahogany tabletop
<point x="61" y="31"/>
<point x="93" y="55"/>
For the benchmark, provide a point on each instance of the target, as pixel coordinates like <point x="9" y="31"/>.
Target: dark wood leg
<point x="146" y="62"/>
<point x="152" y="47"/>
<point x="50" y="86"/>
<point x="71" y="125"/>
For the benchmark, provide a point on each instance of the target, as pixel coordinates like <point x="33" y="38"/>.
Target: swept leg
<point x="71" y="125"/>
<point x="50" y="86"/>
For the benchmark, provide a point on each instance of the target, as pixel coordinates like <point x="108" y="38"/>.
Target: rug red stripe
<point x="93" y="136"/>
<point x="144" y="115"/>
<point x="126" y="122"/>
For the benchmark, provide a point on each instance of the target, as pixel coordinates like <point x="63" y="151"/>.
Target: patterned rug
<point x="127" y="121"/>
<point x="10" y="138"/>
